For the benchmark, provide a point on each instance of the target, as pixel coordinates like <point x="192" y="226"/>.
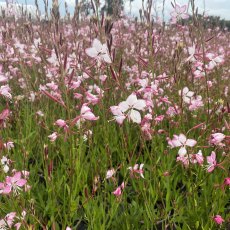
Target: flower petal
<point x="182" y="151"/>
<point x="92" y="52"/>
<point x="190" y="142"/>
<point x="135" y="116"/>
<point x="182" y="138"/>
<point x="140" y="105"/>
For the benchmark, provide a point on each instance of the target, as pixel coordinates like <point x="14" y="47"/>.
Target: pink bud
<point x="218" y="219"/>
<point x="227" y="181"/>
<point x="117" y="192"/>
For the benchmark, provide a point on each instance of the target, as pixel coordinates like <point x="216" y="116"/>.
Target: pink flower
<point x="227" y="181"/>
<point x="191" y="51"/>
<point x="159" y="118"/>
<point x="119" y="189"/>
<point x="197" y="158"/>
<point x="110" y="173"/>
<point x="218" y="219"/>
<point x="14" y="183"/>
<point x="9" y="145"/>
<point x="87" y="114"/>
<point x="53" y="136"/>
<point x="186" y="95"/>
<point x="181" y="141"/>
<point x="119" y="116"/>
<point x="99" y="51"/>
<point x="179" y="13"/>
<point x="196" y="103"/>
<point x="9" y="218"/>
<point x="216" y="138"/>
<point x="211" y="162"/>
<point x="183" y="159"/>
<point x="61" y="123"/>
<point x="92" y="99"/>
<point x="137" y="169"/>
<point x="68" y="228"/>
<point x="5" y="91"/>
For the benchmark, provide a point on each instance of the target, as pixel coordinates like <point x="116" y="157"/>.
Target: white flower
<point x="182" y="141"/>
<point x="110" y="173"/>
<point x="132" y="105"/>
<point x="99" y="51"/>
<point x="137" y="169"/>
<point x="5" y="91"/>
<point x="5" y="161"/>
<point x="186" y="95"/>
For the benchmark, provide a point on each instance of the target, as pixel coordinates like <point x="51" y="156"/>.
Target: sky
<point x="211" y="7"/>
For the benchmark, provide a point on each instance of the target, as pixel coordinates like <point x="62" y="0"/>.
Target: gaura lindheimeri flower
<point x="218" y="219"/>
<point x="181" y="141"/>
<point x="61" y="123"/>
<point x="87" y="114"/>
<point x="216" y="138"/>
<point x="7" y="222"/>
<point x="179" y="13"/>
<point x="119" y="116"/>
<point x="110" y="173"/>
<point x="192" y="52"/>
<point x="119" y="189"/>
<point x="132" y="105"/>
<point x="9" y="145"/>
<point x="213" y="60"/>
<point x="5" y="164"/>
<point x="99" y="51"/>
<point x="211" y="162"/>
<point x="196" y="158"/>
<point x="14" y="183"/>
<point x="186" y="95"/>
<point x="5" y="91"/>
<point x="137" y="169"/>
<point x="53" y="136"/>
<point x="227" y="181"/>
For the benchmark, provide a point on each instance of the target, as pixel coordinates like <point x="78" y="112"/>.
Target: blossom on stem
<point x="110" y="173"/>
<point x="186" y="95"/>
<point x="137" y="169"/>
<point x="14" y="183"/>
<point x="99" y="51"/>
<point x="218" y="219"/>
<point x="131" y="106"/>
<point x="216" y="138"/>
<point x="211" y="162"/>
<point x="181" y="141"/>
<point x="118" y="190"/>
<point x="179" y="13"/>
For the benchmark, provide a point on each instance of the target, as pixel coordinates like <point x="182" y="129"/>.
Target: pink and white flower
<point x="211" y="162"/>
<point x="137" y="169"/>
<point x="181" y="141"/>
<point x="131" y="106"/>
<point x="119" y="189"/>
<point x="53" y="136"/>
<point x="110" y="173"/>
<point x="216" y="138"/>
<point x="14" y="183"/>
<point x="179" y="13"/>
<point x="186" y="95"/>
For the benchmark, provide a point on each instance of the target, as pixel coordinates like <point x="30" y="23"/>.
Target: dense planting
<point x="114" y="124"/>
